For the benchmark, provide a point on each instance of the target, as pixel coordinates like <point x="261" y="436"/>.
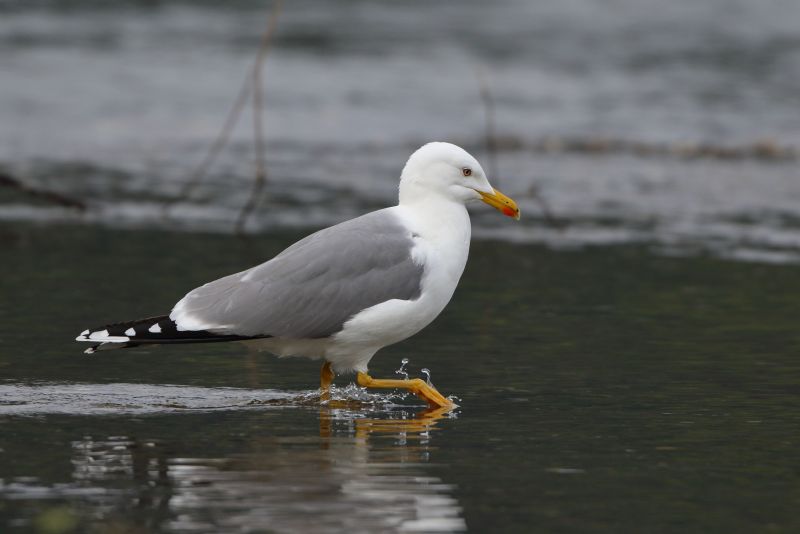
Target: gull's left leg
<point x="416" y="386"/>
<point x="326" y="376"/>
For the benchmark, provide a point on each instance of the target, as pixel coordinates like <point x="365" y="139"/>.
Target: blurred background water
<point x="631" y="368"/>
<point x="668" y="123"/>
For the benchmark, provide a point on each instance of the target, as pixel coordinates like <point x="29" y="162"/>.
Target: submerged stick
<point x="232" y="118"/>
<point x="219" y="143"/>
<point x="52" y="197"/>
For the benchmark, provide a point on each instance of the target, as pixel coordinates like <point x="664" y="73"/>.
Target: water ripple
<point x="104" y="399"/>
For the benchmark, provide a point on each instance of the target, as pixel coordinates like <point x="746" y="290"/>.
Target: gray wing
<point x="313" y="287"/>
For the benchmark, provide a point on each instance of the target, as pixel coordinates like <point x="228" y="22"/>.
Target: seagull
<point x="345" y="292"/>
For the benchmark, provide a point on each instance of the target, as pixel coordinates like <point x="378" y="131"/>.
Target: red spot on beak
<point x="509" y="212"/>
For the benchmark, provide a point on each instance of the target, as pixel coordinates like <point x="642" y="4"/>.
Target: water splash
<point x="402" y="370"/>
<point x="355" y="397"/>
<point x="427" y="373"/>
<point x="454" y="399"/>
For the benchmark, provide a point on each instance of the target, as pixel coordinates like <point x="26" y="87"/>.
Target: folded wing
<point x="312" y="288"/>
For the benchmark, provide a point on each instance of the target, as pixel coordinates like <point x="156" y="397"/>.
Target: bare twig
<point x="52" y="197"/>
<point x="258" y="131"/>
<point x="219" y="143"/>
<point x="231" y="119"/>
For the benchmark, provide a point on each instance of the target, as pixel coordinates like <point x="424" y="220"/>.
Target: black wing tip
<point x="152" y="330"/>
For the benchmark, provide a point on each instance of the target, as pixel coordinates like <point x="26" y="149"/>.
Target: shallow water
<point x="605" y="389"/>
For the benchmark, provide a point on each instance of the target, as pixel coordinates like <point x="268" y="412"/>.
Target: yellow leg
<point x="326" y="376"/>
<point x="416" y="386"/>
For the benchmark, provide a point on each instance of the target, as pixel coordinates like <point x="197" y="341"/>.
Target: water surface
<point x="632" y="367"/>
<point x="602" y="389"/>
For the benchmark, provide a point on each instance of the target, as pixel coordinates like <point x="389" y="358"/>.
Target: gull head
<point x="450" y="171"/>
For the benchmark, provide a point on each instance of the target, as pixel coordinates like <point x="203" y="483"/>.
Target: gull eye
<point x="466" y="171"/>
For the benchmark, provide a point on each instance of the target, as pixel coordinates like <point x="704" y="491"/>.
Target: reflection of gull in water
<point x="341" y="483"/>
<point x="366" y="471"/>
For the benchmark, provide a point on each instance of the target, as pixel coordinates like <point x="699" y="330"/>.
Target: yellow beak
<point x="500" y="202"/>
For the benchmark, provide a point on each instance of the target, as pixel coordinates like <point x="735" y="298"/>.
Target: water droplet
<point x="402" y="371"/>
<point x="427" y="373"/>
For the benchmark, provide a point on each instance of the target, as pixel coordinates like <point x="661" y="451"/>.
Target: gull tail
<point x="150" y="331"/>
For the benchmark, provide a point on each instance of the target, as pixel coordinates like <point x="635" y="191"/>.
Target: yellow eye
<point x="466" y="171"/>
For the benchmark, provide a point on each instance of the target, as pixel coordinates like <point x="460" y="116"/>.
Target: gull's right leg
<point x="416" y="386"/>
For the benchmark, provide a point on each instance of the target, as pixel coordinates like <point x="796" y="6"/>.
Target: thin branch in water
<point x="219" y="143"/>
<point x="258" y="130"/>
<point x="53" y="197"/>
<point x="196" y="176"/>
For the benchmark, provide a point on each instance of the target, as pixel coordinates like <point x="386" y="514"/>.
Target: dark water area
<point x="602" y="389"/>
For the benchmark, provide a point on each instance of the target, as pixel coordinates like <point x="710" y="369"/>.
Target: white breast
<point x="441" y="235"/>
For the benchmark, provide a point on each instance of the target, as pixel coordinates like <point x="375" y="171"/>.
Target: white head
<point x="449" y="171"/>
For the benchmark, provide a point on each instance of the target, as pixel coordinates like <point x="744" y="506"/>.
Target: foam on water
<point x="103" y="399"/>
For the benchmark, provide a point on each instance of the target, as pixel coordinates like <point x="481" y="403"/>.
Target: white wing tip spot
<point x="130" y="332"/>
<point x="83" y="336"/>
<point x="100" y="334"/>
<point x="155" y="329"/>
